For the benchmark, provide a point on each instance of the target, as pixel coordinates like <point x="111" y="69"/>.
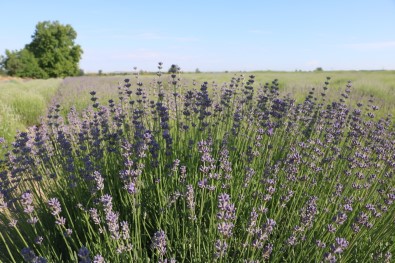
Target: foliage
<point x="52" y="53"/>
<point x="236" y="174"/>
<point x="2" y="62"/>
<point x="80" y="72"/>
<point x="23" y="64"/>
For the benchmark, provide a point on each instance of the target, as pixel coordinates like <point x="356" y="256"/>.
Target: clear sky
<point x="215" y="35"/>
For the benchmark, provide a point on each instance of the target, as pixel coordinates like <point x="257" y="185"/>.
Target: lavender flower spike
<point x="54" y="205"/>
<point x="99" y="259"/>
<point x="83" y="254"/>
<point x="159" y="242"/>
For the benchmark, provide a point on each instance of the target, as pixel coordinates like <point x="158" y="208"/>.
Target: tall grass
<point x="167" y="172"/>
<point x="22" y="103"/>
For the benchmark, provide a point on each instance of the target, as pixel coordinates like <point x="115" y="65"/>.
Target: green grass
<point x="22" y="103"/>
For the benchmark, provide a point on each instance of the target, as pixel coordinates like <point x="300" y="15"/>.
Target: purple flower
<point x="190" y="196"/>
<point x="112" y="223"/>
<point x="253" y="221"/>
<point x="220" y="248"/>
<point x="27" y="201"/>
<point x="13" y="223"/>
<point x="347" y="207"/>
<point x="98" y="259"/>
<point x="341" y="244"/>
<point x="159" y="242"/>
<point x="125" y="230"/>
<point x="28" y="209"/>
<point x="320" y="244"/>
<point x="32" y="220"/>
<point x="99" y="181"/>
<point x="331" y="228"/>
<point x="291" y="240"/>
<point x="94" y="215"/>
<point x="340" y="218"/>
<point x="223" y="201"/>
<point x="131" y="188"/>
<point x="38" y="240"/>
<point x="203" y="183"/>
<point x="329" y="257"/>
<point x="28" y="254"/>
<point x="68" y="232"/>
<point x="83" y="254"/>
<point x="106" y="200"/>
<point x="269" y="226"/>
<point x="54" y="205"/>
<point x="225" y="229"/>
<point x="267" y="251"/>
<point x="60" y="221"/>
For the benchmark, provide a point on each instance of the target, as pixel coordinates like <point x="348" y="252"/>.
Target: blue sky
<point x="215" y="35"/>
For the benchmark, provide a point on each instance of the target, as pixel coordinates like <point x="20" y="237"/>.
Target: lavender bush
<point x="232" y="173"/>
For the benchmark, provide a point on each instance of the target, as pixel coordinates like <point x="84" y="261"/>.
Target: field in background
<point x="22" y="102"/>
<point x="379" y="84"/>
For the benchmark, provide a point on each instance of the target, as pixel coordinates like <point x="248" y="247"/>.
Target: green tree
<point x="52" y="53"/>
<point x="54" y="47"/>
<point x="22" y="63"/>
<point x="2" y="66"/>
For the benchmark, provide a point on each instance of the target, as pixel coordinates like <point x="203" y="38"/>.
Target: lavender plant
<point x="169" y="173"/>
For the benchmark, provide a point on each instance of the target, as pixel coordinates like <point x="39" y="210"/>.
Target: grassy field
<point x="22" y="103"/>
<point x="380" y="84"/>
<point x="176" y="169"/>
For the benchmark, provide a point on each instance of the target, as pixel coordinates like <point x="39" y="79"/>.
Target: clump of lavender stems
<point x="170" y="172"/>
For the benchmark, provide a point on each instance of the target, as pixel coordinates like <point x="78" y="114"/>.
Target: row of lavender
<point x="168" y="173"/>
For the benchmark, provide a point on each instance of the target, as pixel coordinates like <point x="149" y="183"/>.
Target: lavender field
<point x="160" y="169"/>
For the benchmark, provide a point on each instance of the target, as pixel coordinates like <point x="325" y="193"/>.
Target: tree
<point x="2" y="66"/>
<point x="23" y="64"/>
<point x="53" y="46"/>
<point x="52" y="53"/>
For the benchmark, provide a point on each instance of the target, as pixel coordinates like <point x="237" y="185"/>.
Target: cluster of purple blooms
<point x="151" y="174"/>
<point x="226" y="216"/>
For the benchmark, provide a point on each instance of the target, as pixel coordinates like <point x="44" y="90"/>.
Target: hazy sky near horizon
<point x="215" y="35"/>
